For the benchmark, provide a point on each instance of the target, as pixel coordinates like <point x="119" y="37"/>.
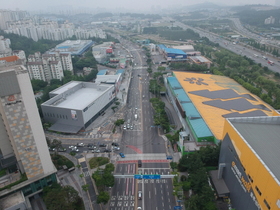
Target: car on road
<point x="74" y="149"/>
<point x="51" y="149"/>
<point x="122" y="155"/>
<point x="139" y="195"/>
<point x="124" y="127"/>
<point x="80" y="144"/>
<point x="95" y="151"/>
<point x="107" y="150"/>
<point x="131" y="127"/>
<point x="116" y="148"/>
<point x="115" y="144"/>
<point x="72" y="146"/>
<point x="102" y="145"/>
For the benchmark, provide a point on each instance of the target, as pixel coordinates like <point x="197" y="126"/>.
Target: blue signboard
<point x="137" y="176"/>
<point x="169" y="157"/>
<point x="177" y="207"/>
<point x="151" y="176"/>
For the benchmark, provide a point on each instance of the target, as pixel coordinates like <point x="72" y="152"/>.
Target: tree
<point x="103" y="197"/>
<point x="60" y="198"/>
<point x="119" y="122"/>
<point x="85" y="187"/>
<point x="38" y="84"/>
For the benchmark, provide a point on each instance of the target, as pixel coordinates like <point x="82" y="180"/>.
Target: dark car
<point x="115" y="144"/>
<point x="107" y="150"/>
<point x="102" y="145"/>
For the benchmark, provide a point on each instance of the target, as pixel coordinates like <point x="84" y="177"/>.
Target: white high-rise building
<point x="23" y="146"/>
<point x="49" y="66"/>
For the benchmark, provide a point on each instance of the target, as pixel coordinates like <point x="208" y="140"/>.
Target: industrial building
<point x="185" y="48"/>
<point x="24" y="154"/>
<point x="200" y="60"/>
<point x="74" y="47"/>
<point x="75" y="105"/>
<point x="249" y="169"/>
<point x="204" y="101"/>
<point x="172" y="54"/>
<point x="101" y="52"/>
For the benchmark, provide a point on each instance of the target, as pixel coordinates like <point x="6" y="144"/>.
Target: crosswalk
<point x="86" y="173"/>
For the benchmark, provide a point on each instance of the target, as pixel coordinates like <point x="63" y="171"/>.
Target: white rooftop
<point x="80" y="99"/>
<point x="65" y="87"/>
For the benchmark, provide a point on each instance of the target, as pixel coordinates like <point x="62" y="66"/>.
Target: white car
<point x="116" y="148"/>
<point x="124" y="127"/>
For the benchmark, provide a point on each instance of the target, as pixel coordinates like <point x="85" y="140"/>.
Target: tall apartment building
<point x="8" y="15"/>
<point x="5" y="49"/>
<point x="24" y="154"/>
<point x="49" y="66"/>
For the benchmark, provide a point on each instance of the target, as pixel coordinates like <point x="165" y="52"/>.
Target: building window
<point x="258" y="190"/>
<point x="250" y="178"/>
<point x="267" y="205"/>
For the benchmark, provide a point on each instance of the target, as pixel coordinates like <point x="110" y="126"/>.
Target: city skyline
<point x="121" y="5"/>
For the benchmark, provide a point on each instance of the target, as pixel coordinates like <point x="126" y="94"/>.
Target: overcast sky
<point x="32" y="5"/>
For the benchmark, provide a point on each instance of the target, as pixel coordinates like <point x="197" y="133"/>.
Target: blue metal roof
<point x="102" y="72"/>
<point x="120" y="71"/>
<point x="173" y="82"/>
<point x="175" y="51"/>
<point x="182" y="96"/>
<point x="196" y="121"/>
<point x="161" y="46"/>
<point x="200" y="127"/>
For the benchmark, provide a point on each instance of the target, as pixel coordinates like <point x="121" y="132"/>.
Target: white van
<point x="139" y="195"/>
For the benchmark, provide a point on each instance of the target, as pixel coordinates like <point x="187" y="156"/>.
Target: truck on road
<point x="270" y="62"/>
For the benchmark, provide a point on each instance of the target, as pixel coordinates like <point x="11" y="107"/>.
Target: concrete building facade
<point x="23" y="146"/>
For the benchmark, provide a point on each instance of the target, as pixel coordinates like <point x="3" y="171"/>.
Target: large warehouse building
<point x="74" y="47"/>
<point x="203" y="101"/>
<point x="75" y="105"/>
<point x="249" y="162"/>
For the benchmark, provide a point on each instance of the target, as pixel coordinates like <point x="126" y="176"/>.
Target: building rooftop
<point x="200" y="59"/>
<point x="175" y="51"/>
<point x="11" y="200"/>
<point x="12" y="58"/>
<point x="78" y="97"/>
<point x="196" y="121"/>
<point x="184" y="47"/>
<point x="102" y="72"/>
<point x="65" y="87"/>
<point x="265" y="145"/>
<point x="74" y="47"/>
<point x="216" y="97"/>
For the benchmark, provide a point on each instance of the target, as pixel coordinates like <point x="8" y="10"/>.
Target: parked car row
<point x="92" y="147"/>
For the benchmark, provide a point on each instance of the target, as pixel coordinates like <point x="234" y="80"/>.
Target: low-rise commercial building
<point x="75" y="105"/>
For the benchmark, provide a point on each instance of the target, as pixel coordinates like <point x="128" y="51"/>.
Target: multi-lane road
<point x="141" y="143"/>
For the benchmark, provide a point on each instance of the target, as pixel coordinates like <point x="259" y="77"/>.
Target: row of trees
<point x="252" y="76"/>
<point x="197" y="181"/>
<point x="160" y="117"/>
<point x="104" y="178"/>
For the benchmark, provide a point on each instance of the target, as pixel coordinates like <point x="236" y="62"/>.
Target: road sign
<point x="177" y="207"/>
<point x="151" y="176"/>
<point x="138" y="176"/>
<point x="169" y="157"/>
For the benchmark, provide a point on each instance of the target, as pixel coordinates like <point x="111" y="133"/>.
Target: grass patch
<point x="60" y="160"/>
<point x="3" y="172"/>
<point x="98" y="161"/>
